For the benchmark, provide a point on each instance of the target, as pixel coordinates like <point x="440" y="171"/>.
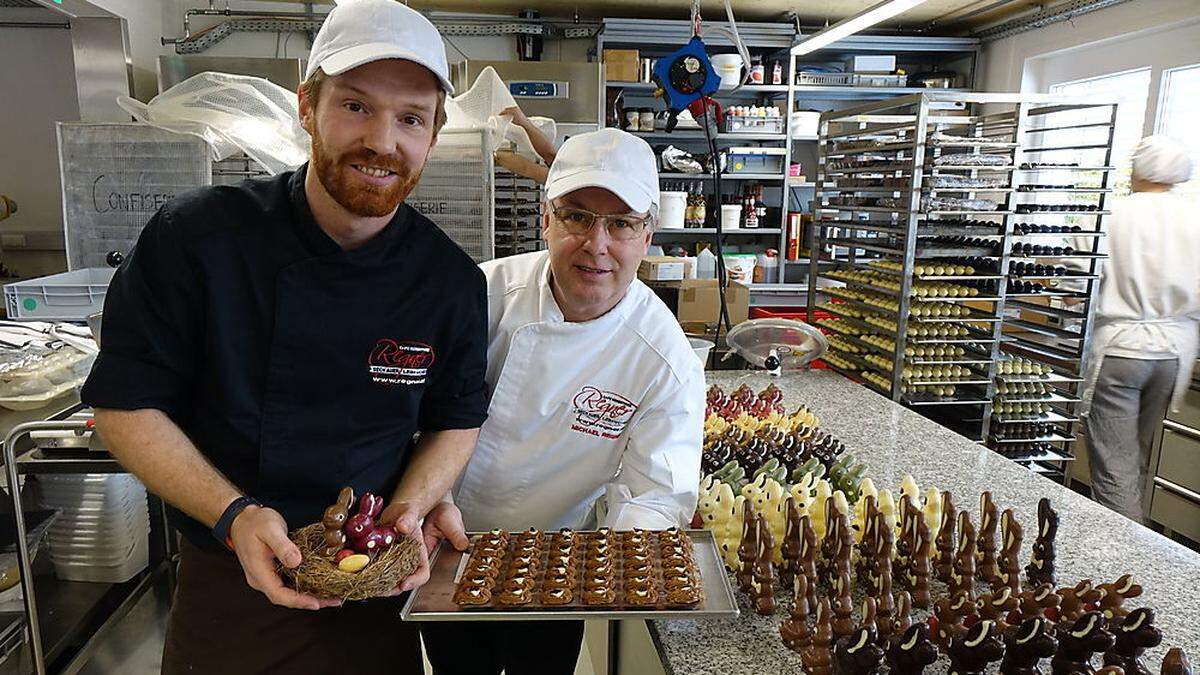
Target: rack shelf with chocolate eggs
<point x="1027" y="424"/>
<point x="921" y="289"/>
<point x="901" y="204"/>
<point x="1064" y="183"/>
<point x="913" y="580"/>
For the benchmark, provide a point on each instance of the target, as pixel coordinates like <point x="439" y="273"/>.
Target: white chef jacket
<point x="1149" y="299"/>
<point x="613" y="406"/>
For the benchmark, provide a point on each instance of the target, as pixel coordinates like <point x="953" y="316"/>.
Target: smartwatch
<point x="225" y="522"/>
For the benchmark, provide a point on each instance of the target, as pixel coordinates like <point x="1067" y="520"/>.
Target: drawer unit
<point x="1189" y="411"/>
<point x="1174" y="511"/>
<point x="1179" y="458"/>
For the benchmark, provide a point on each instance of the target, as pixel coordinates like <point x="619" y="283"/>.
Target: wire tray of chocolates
<point x="571" y="574"/>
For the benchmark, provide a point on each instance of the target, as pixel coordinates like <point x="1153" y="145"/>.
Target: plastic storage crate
<point x="747" y="124"/>
<point x="754" y="160"/>
<point x="69" y="296"/>
<point x="825" y="79"/>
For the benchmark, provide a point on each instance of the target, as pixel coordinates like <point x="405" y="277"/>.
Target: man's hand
<point x="516" y="115"/>
<point x="443" y="522"/>
<point x="260" y="537"/>
<point x="510" y="160"/>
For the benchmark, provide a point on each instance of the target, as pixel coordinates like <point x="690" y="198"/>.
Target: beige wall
<point x="1097" y="43"/>
<point x="38" y="82"/>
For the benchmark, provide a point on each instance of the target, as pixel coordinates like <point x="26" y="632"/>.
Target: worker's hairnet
<point x="1161" y="159"/>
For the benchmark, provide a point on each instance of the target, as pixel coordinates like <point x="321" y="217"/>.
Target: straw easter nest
<point x="318" y="575"/>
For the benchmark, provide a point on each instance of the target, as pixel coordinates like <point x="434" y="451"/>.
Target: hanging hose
<point x="708" y="122"/>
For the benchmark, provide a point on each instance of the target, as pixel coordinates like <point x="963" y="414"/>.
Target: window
<point x="1178" y="110"/>
<point x="1130" y="89"/>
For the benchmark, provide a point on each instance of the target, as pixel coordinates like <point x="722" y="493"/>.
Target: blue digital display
<point x="533" y="89"/>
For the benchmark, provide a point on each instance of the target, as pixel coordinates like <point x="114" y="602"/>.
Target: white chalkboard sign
<point x="114" y="177"/>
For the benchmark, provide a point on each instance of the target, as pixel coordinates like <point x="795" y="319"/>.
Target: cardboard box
<point x="697" y="301"/>
<point x="621" y="65"/>
<point x="662" y="268"/>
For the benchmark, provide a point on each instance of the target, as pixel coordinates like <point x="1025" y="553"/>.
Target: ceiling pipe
<point x="955" y="18"/>
<point x="1057" y="14"/>
<point x="267" y="20"/>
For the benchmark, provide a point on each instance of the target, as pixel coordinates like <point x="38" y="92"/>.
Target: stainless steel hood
<point x="99" y="41"/>
<point x="565" y="91"/>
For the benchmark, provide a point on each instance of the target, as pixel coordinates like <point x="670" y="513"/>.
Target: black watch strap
<point x="225" y="522"/>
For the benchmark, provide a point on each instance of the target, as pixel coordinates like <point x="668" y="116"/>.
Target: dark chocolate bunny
<point x="1040" y="569"/>
<point x="1076" y="644"/>
<point x="1026" y="646"/>
<point x="911" y="651"/>
<point x="1135" y="634"/>
<point x="971" y="652"/>
<point x="857" y="653"/>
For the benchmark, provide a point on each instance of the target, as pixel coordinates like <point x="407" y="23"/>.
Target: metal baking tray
<point x="435" y="600"/>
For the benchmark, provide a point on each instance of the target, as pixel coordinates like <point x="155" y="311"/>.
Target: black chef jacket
<point x="294" y="366"/>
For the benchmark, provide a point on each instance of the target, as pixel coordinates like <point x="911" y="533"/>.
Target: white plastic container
<point x="706" y="264"/>
<point x="729" y="67"/>
<point x="103" y="530"/>
<point x="689" y="267"/>
<point x="805" y="124"/>
<point x="767" y="269"/>
<point x="671" y="210"/>
<point x="731" y="216"/>
<point x="701" y="348"/>
<point x="739" y="267"/>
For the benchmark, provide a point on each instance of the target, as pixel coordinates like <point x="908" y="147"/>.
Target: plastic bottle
<point x="777" y="73"/>
<point x="689" y="209"/>
<point x="701" y="207"/>
<point x="706" y="265"/>
<point x="757" y="71"/>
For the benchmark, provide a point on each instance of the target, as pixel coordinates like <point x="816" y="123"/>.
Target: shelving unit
<point x="783" y="193"/>
<point x="518" y="214"/>
<point x="916" y="211"/>
<point x="1051" y="324"/>
<point x="655" y="39"/>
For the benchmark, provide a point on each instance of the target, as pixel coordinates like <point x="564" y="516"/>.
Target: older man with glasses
<point x="597" y="400"/>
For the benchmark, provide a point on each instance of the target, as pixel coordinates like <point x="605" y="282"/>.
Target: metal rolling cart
<point x="916" y="209"/>
<point x="63" y="621"/>
<point x="917" y="248"/>
<point x="518" y="214"/>
<point x="1064" y="182"/>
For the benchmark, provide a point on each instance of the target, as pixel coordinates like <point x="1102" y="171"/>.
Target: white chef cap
<point x="1161" y="159"/>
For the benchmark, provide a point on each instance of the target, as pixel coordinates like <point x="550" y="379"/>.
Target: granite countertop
<point x="1092" y="542"/>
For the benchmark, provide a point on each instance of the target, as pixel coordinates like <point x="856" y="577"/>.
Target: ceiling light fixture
<point x="853" y="24"/>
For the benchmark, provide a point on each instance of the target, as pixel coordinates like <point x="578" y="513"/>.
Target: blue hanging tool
<point x="685" y="77"/>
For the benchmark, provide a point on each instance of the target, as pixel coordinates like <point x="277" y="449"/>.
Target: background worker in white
<point x="1146" y="326"/>
<point x="595" y="392"/>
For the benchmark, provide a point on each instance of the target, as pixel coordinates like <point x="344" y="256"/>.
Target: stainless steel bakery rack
<point x="1064" y="181"/>
<point x="518" y="214"/>
<point x="64" y="621"/>
<point x="916" y="213"/>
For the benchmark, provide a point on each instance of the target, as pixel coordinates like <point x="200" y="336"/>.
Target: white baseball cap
<point x="357" y="32"/>
<point x="611" y="159"/>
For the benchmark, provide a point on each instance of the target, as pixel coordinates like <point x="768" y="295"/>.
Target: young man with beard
<point x="268" y="343"/>
<point x="596" y="395"/>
